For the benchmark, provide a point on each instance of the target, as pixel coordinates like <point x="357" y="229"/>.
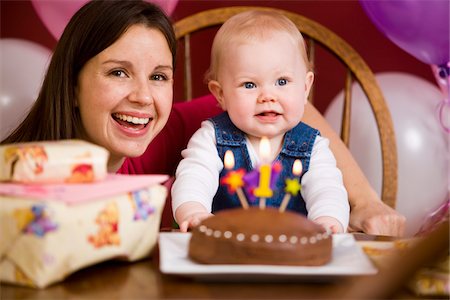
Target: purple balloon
<point x="420" y="27"/>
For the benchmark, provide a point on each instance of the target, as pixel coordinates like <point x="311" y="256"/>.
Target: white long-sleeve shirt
<point x="197" y="177"/>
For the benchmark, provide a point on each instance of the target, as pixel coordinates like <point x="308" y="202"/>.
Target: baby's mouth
<point x="268" y="114"/>
<point x="130" y="121"/>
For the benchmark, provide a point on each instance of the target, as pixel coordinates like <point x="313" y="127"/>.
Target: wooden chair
<point x="357" y="70"/>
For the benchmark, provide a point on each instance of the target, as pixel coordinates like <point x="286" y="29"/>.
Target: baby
<point x="261" y="77"/>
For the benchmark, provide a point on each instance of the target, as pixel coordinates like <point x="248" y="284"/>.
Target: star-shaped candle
<point x="293" y="185"/>
<point x="234" y="179"/>
<point x="264" y="191"/>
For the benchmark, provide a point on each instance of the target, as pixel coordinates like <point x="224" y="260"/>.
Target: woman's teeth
<point x="134" y="120"/>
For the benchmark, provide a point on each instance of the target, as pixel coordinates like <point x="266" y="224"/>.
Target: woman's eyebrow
<point x="116" y="61"/>
<point x="164" y="67"/>
<point x="129" y="64"/>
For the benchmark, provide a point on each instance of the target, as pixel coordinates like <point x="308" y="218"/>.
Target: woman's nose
<point x="141" y="93"/>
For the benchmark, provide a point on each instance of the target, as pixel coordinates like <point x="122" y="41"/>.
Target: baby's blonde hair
<point x="251" y="25"/>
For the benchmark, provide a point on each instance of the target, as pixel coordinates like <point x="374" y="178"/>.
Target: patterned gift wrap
<point x="49" y="231"/>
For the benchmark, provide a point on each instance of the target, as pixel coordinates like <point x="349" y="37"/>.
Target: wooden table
<point x="143" y="280"/>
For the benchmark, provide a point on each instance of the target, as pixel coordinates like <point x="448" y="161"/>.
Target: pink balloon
<point x="419" y="27"/>
<point x="422" y="146"/>
<point x="22" y="69"/>
<point x="56" y="14"/>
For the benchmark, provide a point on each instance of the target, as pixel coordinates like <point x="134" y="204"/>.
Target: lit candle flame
<point x="234" y="178"/>
<point x="229" y="160"/>
<point x="264" y="149"/>
<point x="293" y="185"/>
<point x="297" y="167"/>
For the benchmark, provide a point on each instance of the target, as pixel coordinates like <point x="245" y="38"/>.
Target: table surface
<point x="143" y="280"/>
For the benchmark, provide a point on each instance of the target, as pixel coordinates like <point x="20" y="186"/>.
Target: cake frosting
<point x="260" y="236"/>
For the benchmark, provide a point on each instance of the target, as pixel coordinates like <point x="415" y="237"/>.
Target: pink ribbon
<point x="442" y="75"/>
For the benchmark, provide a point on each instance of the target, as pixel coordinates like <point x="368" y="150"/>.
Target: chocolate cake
<point x="260" y="236"/>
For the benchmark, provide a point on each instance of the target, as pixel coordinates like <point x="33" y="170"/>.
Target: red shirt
<point x="164" y="152"/>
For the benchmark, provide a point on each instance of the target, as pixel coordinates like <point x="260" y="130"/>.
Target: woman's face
<point x="125" y="93"/>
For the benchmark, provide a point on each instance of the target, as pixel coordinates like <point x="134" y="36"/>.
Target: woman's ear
<point x="216" y="89"/>
<point x="309" y="79"/>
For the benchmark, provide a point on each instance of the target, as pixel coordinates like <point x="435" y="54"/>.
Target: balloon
<point x="22" y="70"/>
<point x="423" y="162"/>
<point x="420" y="27"/>
<point x="56" y="14"/>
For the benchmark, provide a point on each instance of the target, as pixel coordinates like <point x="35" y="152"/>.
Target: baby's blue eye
<point x="281" y="81"/>
<point x="249" y="85"/>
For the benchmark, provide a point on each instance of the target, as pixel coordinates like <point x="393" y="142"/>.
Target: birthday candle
<point x="292" y="185"/>
<point x="264" y="191"/>
<point x="234" y="178"/>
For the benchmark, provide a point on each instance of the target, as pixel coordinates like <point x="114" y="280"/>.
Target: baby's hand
<point x="330" y="223"/>
<point x="193" y="220"/>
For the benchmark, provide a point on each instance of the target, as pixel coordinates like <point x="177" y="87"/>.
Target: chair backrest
<point x="357" y="70"/>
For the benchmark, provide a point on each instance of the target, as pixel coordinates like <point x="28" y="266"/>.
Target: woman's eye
<point x="158" y="77"/>
<point x="249" y="85"/>
<point x="118" y="73"/>
<point x="281" y="81"/>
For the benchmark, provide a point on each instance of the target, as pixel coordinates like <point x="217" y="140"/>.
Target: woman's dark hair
<point x="95" y="27"/>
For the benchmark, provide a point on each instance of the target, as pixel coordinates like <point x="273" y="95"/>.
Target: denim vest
<point x="298" y="144"/>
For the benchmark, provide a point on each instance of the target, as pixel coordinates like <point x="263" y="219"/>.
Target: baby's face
<point x="264" y="85"/>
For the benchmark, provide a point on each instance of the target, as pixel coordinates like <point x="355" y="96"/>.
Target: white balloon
<point x="23" y="66"/>
<point x="423" y="162"/>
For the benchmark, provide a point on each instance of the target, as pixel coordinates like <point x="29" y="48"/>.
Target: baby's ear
<point x="308" y="83"/>
<point x="216" y="89"/>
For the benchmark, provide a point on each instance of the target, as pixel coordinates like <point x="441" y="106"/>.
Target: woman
<point x="110" y="82"/>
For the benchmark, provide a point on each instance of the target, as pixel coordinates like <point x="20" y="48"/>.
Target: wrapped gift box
<point x="49" y="231"/>
<point x="69" y="161"/>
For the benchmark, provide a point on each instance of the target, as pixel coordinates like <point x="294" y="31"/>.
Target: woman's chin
<point x="135" y="151"/>
<point x="127" y="144"/>
<point x="128" y="149"/>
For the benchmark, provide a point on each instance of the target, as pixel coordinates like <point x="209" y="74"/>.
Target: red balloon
<point x="419" y="27"/>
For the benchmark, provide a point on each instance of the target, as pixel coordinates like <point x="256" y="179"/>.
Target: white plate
<point x="348" y="259"/>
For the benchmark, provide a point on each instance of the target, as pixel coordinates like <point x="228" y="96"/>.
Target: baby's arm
<point x="196" y="179"/>
<point x="369" y="213"/>
<point x="323" y="189"/>
<point x="190" y="214"/>
<point x="330" y="223"/>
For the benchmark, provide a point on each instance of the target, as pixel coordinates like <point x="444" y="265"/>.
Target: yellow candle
<point x="264" y="191"/>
